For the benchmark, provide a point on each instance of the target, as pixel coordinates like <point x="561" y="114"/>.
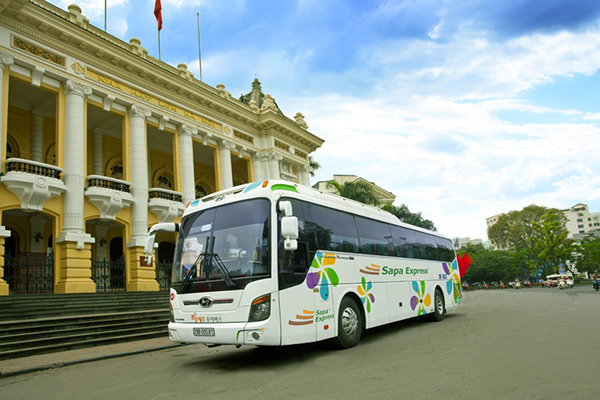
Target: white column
<point x="258" y="168"/>
<point x="5" y="60"/>
<point x="186" y="162"/>
<point x="138" y="161"/>
<point x="97" y="161"/>
<point x="225" y="148"/>
<point x="37" y="136"/>
<point x="273" y="166"/>
<point x="74" y="168"/>
<point x="304" y="174"/>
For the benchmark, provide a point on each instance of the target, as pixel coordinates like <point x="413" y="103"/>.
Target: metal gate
<point x="109" y="276"/>
<point x="29" y="273"/>
<point x="163" y="275"/>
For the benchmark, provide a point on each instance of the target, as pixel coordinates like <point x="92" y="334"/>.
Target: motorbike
<point x="561" y="284"/>
<point x="517" y="285"/>
<point x="596" y="284"/>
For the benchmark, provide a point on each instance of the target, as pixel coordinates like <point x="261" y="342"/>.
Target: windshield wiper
<point x="214" y="257"/>
<point x="190" y="273"/>
<point x="205" y="260"/>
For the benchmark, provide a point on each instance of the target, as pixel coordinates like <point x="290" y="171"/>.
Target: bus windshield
<point x="223" y="248"/>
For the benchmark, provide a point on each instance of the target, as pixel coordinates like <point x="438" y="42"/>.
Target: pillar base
<point x="3" y="288"/>
<point x="140" y="278"/>
<point x="75" y="268"/>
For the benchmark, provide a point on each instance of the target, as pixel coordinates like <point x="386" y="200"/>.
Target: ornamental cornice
<point x="227" y="145"/>
<point x="96" y="51"/>
<point x="139" y="112"/>
<point x="50" y="26"/>
<point x="6" y="59"/>
<point x="186" y="130"/>
<point x="76" y="88"/>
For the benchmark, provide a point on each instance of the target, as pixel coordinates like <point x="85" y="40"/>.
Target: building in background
<point x="100" y="140"/>
<point x="581" y="222"/>
<point x="383" y="195"/>
<point x="463" y="242"/>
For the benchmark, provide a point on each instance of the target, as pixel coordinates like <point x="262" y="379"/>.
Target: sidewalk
<point x="41" y="362"/>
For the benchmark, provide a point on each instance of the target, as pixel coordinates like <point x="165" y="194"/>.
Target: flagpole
<point x="104" y="15"/>
<point x="199" y="53"/>
<point x="159" y="45"/>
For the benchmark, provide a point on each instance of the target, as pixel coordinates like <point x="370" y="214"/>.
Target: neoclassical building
<point x="100" y="140"/>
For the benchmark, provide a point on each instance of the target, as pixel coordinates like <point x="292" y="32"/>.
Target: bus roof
<point x="276" y="188"/>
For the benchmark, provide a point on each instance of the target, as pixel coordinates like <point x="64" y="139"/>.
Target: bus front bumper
<point x="255" y="333"/>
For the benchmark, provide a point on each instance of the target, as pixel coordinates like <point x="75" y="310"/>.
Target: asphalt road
<point x="499" y="344"/>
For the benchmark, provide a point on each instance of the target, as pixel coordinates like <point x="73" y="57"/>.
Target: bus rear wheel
<point x="439" y="307"/>
<point x="350" y="324"/>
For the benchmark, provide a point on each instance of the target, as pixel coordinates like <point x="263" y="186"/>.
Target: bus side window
<point x="329" y="229"/>
<point x="293" y="265"/>
<point x="445" y="249"/>
<point x="427" y="245"/>
<point x="375" y="237"/>
<point x="405" y="242"/>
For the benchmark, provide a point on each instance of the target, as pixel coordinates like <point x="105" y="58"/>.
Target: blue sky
<point x="462" y="109"/>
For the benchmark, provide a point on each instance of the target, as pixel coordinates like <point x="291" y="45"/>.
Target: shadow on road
<point x="256" y="358"/>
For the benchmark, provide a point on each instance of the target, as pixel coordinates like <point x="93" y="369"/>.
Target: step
<point x="67" y="338"/>
<point x="26" y="352"/>
<point x="17" y="331"/>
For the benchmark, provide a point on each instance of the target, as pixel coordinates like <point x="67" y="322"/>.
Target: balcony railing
<point x="164" y="194"/>
<point x="108" y="183"/>
<point x="109" y="195"/>
<point x="33" y="167"/>
<point x="33" y="182"/>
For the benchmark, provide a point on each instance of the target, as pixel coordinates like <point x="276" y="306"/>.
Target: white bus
<point x="275" y="263"/>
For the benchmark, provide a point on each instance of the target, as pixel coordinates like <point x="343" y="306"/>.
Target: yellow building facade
<point x="100" y="140"/>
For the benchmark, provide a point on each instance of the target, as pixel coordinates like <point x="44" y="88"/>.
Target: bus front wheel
<point x="349" y="324"/>
<point x="439" y="307"/>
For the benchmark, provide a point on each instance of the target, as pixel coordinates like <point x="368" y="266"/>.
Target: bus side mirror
<point x="164" y="227"/>
<point x="289" y="230"/>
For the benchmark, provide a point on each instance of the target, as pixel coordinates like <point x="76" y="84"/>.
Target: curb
<point x="85" y="360"/>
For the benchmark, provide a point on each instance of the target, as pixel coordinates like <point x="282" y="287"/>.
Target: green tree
<point x="405" y="215"/>
<point x="513" y="230"/>
<point x="357" y="190"/>
<point x="587" y="255"/>
<point x="492" y="265"/>
<point x="314" y="165"/>
<point x="550" y="241"/>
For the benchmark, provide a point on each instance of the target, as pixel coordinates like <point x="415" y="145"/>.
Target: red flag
<point x="463" y="264"/>
<point x="158" y="13"/>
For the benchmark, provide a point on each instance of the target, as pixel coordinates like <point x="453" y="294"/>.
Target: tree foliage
<point x="357" y="190"/>
<point x="314" y="165"/>
<point x="587" y="255"/>
<point x="513" y="230"/>
<point x="491" y="265"/>
<point x="405" y="215"/>
<point x="550" y="240"/>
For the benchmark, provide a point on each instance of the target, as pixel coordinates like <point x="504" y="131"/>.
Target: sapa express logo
<point x="404" y="271"/>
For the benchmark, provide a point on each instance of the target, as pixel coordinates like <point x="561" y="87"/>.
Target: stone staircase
<point x="36" y="324"/>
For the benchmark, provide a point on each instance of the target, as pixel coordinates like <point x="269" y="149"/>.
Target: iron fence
<point x="29" y="273"/>
<point x="163" y="275"/>
<point x="109" y="276"/>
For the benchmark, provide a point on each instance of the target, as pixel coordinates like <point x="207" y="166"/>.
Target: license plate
<point x="204" y="331"/>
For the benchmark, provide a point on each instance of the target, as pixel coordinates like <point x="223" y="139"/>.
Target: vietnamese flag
<point x="463" y="264"/>
<point x="158" y="13"/>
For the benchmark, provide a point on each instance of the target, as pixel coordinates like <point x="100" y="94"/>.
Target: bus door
<point x="297" y="307"/>
<point x="325" y="319"/>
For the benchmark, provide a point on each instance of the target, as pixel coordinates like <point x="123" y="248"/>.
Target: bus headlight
<point x="260" y="309"/>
